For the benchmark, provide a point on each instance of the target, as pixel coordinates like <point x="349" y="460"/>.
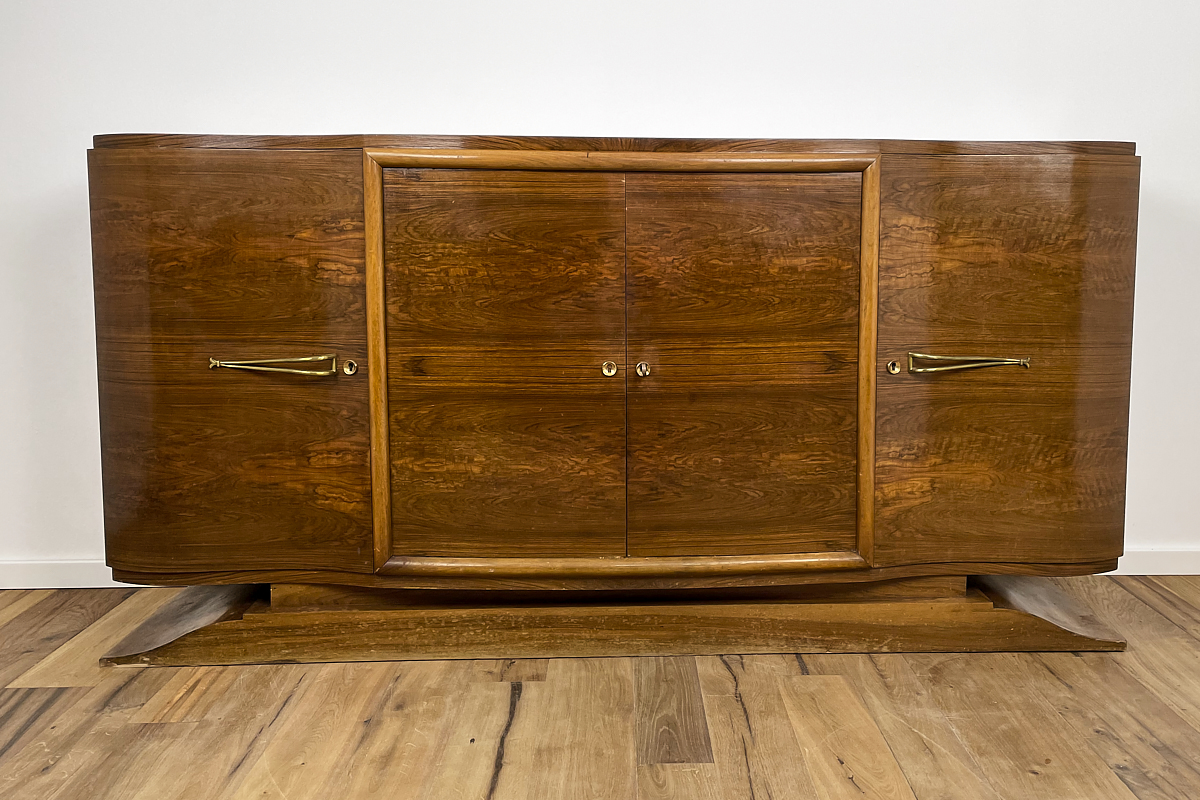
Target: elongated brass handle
<point x="257" y="366"/>
<point x="962" y="362"/>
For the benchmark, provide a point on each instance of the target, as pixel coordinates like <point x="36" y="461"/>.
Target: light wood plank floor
<point x="934" y="727"/>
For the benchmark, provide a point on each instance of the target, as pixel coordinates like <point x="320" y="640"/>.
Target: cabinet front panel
<point x="743" y="300"/>
<point x="205" y="254"/>
<point x="1012" y="257"/>
<point x="505" y="295"/>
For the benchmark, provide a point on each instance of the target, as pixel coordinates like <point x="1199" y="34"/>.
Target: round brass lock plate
<point x="609" y="368"/>
<point x="643" y="369"/>
<point x="893" y="367"/>
<point x="349" y="367"/>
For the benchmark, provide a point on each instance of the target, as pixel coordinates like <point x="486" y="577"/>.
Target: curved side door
<point x="1019" y="259"/>
<point x="203" y="254"/>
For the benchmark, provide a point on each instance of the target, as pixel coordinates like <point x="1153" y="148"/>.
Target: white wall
<point x="920" y="69"/>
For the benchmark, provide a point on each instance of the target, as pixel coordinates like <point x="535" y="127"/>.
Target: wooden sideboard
<point x="573" y="367"/>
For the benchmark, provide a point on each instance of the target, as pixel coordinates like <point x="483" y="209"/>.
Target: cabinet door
<point x="1014" y="257"/>
<point x="233" y="255"/>
<point x="505" y="295"/>
<point x="743" y="301"/>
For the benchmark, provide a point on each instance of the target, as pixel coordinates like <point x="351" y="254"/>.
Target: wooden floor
<point x="976" y="727"/>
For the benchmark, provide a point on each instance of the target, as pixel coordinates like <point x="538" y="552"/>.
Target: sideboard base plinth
<point x="215" y="625"/>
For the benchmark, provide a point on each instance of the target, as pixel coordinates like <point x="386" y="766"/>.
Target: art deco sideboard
<point x="406" y="374"/>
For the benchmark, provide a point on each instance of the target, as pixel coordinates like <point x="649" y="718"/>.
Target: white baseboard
<point x="95" y="574"/>
<point x="89" y="574"/>
<point x="1151" y="561"/>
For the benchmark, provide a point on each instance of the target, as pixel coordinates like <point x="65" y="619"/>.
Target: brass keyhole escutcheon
<point x="609" y="368"/>
<point x="893" y="367"/>
<point x="643" y="369"/>
<point x="349" y="367"/>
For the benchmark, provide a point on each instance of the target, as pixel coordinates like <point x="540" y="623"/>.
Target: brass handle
<point x="642" y="369"/>
<point x="256" y="366"/>
<point x="609" y="368"/>
<point x="962" y="362"/>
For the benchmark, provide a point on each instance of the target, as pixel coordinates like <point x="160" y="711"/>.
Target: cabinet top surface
<point x="355" y="141"/>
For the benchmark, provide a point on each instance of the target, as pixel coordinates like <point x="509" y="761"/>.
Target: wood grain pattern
<point x="1043" y="599"/>
<point x="45" y="627"/>
<point x="615" y="568"/>
<point x="233" y="255"/>
<point x="16" y="602"/>
<point x="1110" y="725"/>
<point x="77" y="662"/>
<point x="506" y="473"/>
<point x="472" y="748"/>
<point x="498" y="260"/>
<point x="300" y="760"/>
<point x="868" y="343"/>
<point x="25" y="713"/>
<point x="213" y="694"/>
<point x="727" y="274"/>
<point x="1161" y="656"/>
<point x="180" y="613"/>
<point x="937" y="763"/>
<point x="65" y="759"/>
<point x="359" y="141"/>
<point x="754" y="744"/>
<point x="1028" y="257"/>
<point x="230" y="738"/>
<point x="1018" y="740"/>
<point x="669" y="712"/>
<point x="665" y="628"/>
<point x="423" y="158"/>
<point x="1176" y="598"/>
<point x="512" y="670"/>
<point x="760" y="434"/>
<point x="847" y="569"/>
<point x="381" y="489"/>
<point x="845" y="753"/>
<point x="504" y="296"/>
<point x="1141" y="739"/>
<point x="679" y="782"/>
<point x="572" y="735"/>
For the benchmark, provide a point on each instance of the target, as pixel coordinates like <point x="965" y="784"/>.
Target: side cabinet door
<point x="232" y="255"/>
<point x="1016" y="258"/>
<point x="505" y="297"/>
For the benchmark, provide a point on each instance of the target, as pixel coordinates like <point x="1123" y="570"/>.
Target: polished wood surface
<point x="381" y="461"/>
<point x="356" y="142"/>
<point x="479" y="282"/>
<point x="1111" y="725"/>
<point x="567" y="160"/>
<point x="868" y="342"/>
<point x="807" y="570"/>
<point x="325" y="596"/>
<point x="232" y="255"/>
<point x="743" y="298"/>
<point x="672" y="627"/>
<point x="633" y="566"/>
<point x="505" y="294"/>
<point x="1016" y="257"/>
<point x="181" y="613"/>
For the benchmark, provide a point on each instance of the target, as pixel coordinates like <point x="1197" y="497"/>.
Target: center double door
<point x="508" y="290"/>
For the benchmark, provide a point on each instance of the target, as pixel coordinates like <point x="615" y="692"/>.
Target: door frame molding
<point x="376" y="159"/>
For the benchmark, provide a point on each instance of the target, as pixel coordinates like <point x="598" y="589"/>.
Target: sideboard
<point x="400" y="374"/>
